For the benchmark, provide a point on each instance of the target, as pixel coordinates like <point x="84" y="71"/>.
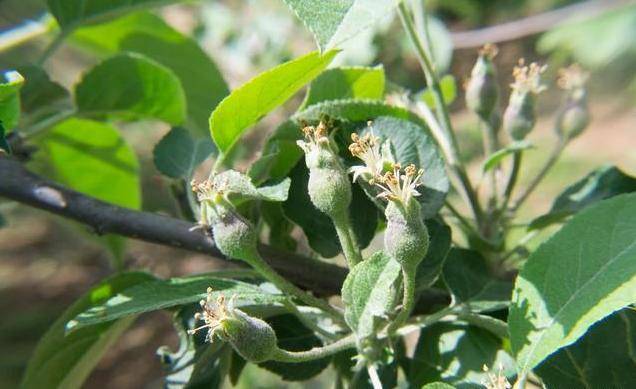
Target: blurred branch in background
<point x="533" y="24"/>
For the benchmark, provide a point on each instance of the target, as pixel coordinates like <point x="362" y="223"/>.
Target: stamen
<point x="528" y="77"/>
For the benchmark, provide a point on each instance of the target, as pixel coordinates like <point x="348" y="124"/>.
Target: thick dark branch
<point x="18" y="184"/>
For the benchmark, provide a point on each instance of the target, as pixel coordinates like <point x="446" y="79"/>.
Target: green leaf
<point x="603" y="183"/>
<point x="369" y="293"/>
<point x="197" y="363"/>
<point x="471" y="285"/>
<point x="604" y="357"/>
<point x="580" y="275"/>
<point x="239" y="186"/>
<point x="40" y="97"/>
<point x="580" y="38"/>
<point x="346" y="83"/>
<point x="177" y="154"/>
<point x="3" y="221"/>
<point x="449" y="91"/>
<point x="318" y="227"/>
<point x="280" y="227"/>
<point x="94" y="159"/>
<point x="498" y="156"/>
<point x="72" y="13"/>
<point x="131" y="87"/>
<point x="352" y="110"/>
<point x="294" y="336"/>
<point x="4" y="145"/>
<point x="438" y="385"/>
<point x="333" y="22"/>
<point x="149" y="35"/>
<point x="10" y="84"/>
<point x="65" y="360"/>
<point x="163" y="294"/>
<point x="431" y="266"/>
<point x="246" y="105"/>
<point x="281" y="153"/>
<point x="455" y="353"/>
<point x="413" y="144"/>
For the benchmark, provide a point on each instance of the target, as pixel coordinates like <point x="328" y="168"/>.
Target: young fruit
<point x="329" y="187"/>
<point x="482" y="92"/>
<point x="251" y="337"/>
<point x="519" y="117"/>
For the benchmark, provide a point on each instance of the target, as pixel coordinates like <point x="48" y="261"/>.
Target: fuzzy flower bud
<point x="329" y="187"/>
<point x="252" y="338"/>
<point x="574" y="116"/>
<point x="406" y="237"/>
<point x="519" y="117"/>
<point x="481" y="89"/>
<point x="234" y="235"/>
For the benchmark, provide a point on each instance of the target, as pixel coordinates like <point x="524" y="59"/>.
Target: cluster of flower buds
<point x="329" y="187"/>
<point x="519" y="117"/>
<point x="574" y="116"/>
<point x="482" y="92"/>
<point x="251" y="337"/>
<point x="406" y="237"/>
<point x="234" y="235"/>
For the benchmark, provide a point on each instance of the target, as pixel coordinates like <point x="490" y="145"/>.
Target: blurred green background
<point x="45" y="263"/>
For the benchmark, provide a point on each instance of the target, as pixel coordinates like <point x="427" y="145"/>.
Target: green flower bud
<point x="406" y="236"/>
<point x="575" y="116"/>
<point x="234" y="235"/>
<point x="329" y="187"/>
<point x="519" y="117"/>
<point x="482" y="92"/>
<point x="252" y="338"/>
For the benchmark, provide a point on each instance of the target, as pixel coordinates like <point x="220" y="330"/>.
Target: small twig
<point x="554" y="157"/>
<point x="512" y="179"/>
<point x="26" y="31"/>
<point x="533" y="24"/>
<point x="52" y="47"/>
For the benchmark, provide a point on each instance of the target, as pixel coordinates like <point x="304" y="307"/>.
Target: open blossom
<point x="215" y="313"/>
<point x="528" y="78"/>
<point x="315" y="137"/>
<point x="400" y="185"/>
<point x="376" y="157"/>
<point x="397" y="184"/>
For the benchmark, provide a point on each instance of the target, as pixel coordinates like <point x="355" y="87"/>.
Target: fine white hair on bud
<point x="329" y="187"/>
<point x="251" y="337"/>
<point x="574" y="116"/>
<point x="234" y="235"/>
<point x="519" y="117"/>
<point x="482" y="92"/>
